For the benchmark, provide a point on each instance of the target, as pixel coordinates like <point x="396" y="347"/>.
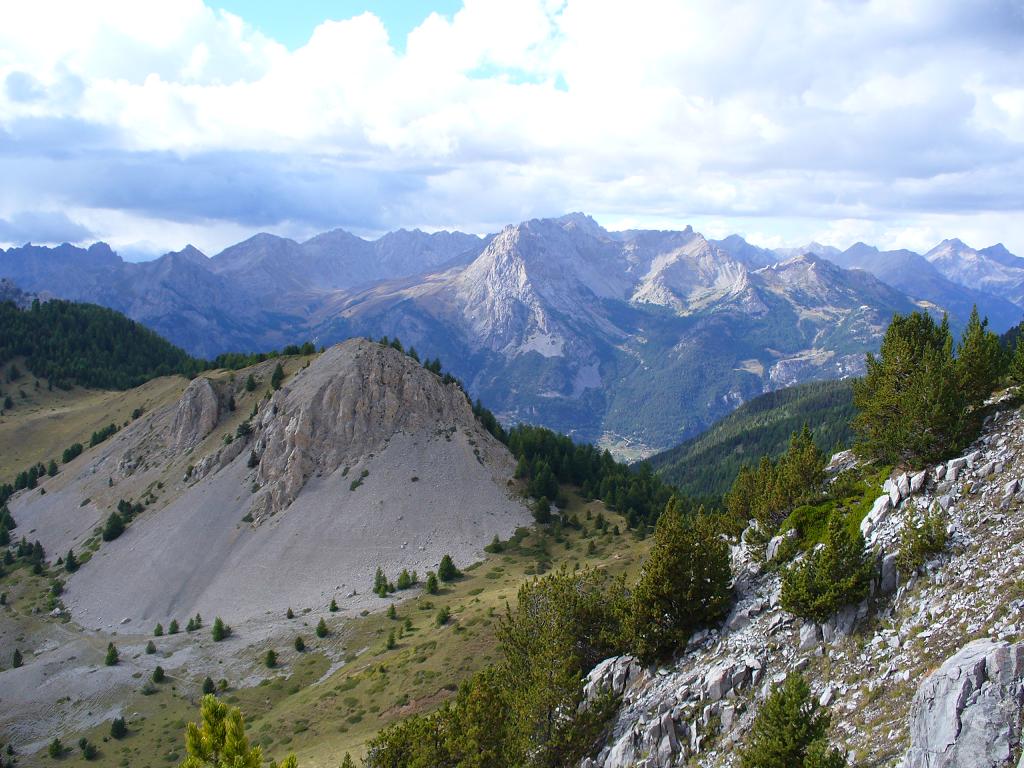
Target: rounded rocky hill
<point x="363" y="458"/>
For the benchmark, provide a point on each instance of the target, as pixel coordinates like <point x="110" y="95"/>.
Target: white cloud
<point x="805" y="117"/>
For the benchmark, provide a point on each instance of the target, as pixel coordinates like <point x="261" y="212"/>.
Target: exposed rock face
<point x="866" y="662"/>
<point x="347" y="404"/>
<point x="968" y="713"/>
<point x="198" y="413"/>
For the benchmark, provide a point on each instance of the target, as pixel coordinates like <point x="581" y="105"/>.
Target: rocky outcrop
<point x="967" y="714"/>
<point x="866" y="662"/>
<point x="197" y="414"/>
<point x="344" y="406"/>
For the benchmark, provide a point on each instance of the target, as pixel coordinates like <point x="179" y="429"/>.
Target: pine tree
<point x="300" y="644"/>
<point x="391" y="640"/>
<point x="16" y="660"/>
<point x="277" y="377"/>
<point x="172" y="628"/>
<point x="158" y="630"/>
<point x="112" y="655"/>
<point x="52" y="470"/>
<point x="392" y="613"/>
<point x="432" y="586"/>
<point x="158" y="674"/>
<point x="150" y="647"/>
<point x="910" y="406"/>
<point x="321" y="628"/>
<point x="250" y="383"/>
<point x="118" y="728"/>
<point x="447" y="571"/>
<point x="55" y="749"/>
<point x="790" y="731"/>
<point x="220" y="630"/>
<point x="683" y="585"/>
<point x="334" y="606"/>
<point x="346" y="762"/>
<point x="219" y="739"/>
<point x="114" y="527"/>
<point x="380" y="583"/>
<point x="824" y="581"/>
<point x="978" y="360"/>
<point x="289" y="614"/>
<point x="270" y="659"/>
<point x="1017" y="361"/>
<point x="208" y="686"/>
<point x="71" y="562"/>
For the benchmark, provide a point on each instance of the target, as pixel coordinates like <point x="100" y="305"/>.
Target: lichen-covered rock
<point x="967" y="714"/>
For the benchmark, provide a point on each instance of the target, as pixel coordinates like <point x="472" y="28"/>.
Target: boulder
<point x="810" y="636"/>
<point x="614" y="675"/>
<point x="918" y="480"/>
<point x="889" y="578"/>
<point x="772" y="550"/>
<point x="879" y="512"/>
<point x="903" y="484"/>
<point x="967" y="714"/>
<point x="718" y="681"/>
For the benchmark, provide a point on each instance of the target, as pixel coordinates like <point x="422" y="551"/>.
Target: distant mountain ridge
<point x="638" y="338"/>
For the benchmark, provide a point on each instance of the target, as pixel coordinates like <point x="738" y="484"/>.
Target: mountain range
<point x="552" y="321"/>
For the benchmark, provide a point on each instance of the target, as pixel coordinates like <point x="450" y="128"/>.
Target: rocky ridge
<point x="926" y="673"/>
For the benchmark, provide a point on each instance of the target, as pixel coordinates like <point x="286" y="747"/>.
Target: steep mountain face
<point x="362" y="459"/>
<point x="927" y="672"/>
<point x="562" y="323"/>
<point x="994" y="269"/>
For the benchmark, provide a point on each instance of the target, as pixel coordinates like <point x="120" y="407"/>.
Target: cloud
<point x="42" y="227"/>
<point x="803" y="113"/>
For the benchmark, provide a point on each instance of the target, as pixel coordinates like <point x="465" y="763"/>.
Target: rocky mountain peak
<point x="347" y="404"/>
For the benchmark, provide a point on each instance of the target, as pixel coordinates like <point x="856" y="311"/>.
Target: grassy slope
<point x="707" y="464"/>
<point x="43" y="423"/>
<point x="319" y="713"/>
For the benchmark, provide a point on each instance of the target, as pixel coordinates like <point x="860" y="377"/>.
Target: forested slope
<point x="707" y="464"/>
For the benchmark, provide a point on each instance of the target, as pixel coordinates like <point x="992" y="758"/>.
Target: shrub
<point x="683" y="585"/>
<point x="447" y="571"/>
<point x="114" y="527"/>
<point x="208" y="686"/>
<point x="443" y="616"/>
<point x="834" y="576"/>
<point x="220" y="630"/>
<point x="790" y="731"/>
<point x="495" y="546"/>
<point x="923" y="537"/>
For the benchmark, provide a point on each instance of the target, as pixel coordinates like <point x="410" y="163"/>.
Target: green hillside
<point x="707" y="464"/>
<point x="71" y="343"/>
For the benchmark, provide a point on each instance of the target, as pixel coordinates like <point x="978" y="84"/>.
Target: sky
<point x="153" y="124"/>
